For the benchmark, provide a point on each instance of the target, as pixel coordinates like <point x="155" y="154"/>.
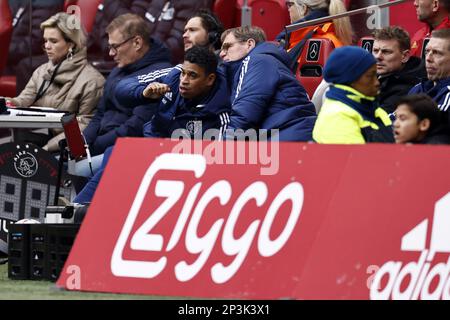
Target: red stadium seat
<point x="312" y="61"/>
<point x="88" y="10"/>
<point x="5" y="31"/>
<point x="227" y="11"/>
<point x="5" y="38"/>
<point x="8" y="86"/>
<point x="270" y="15"/>
<point x="366" y="43"/>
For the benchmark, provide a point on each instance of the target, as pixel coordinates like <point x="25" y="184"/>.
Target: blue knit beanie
<point x="347" y="64"/>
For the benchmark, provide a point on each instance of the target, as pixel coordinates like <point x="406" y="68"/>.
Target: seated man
<point x="350" y="113"/>
<point x="199" y="98"/>
<point x="435" y="15"/>
<point x="135" y="53"/>
<point x="397" y="71"/>
<point x="202" y="29"/>
<point x="438" y="70"/>
<point x="418" y="121"/>
<point x="265" y="93"/>
<point x="194" y="98"/>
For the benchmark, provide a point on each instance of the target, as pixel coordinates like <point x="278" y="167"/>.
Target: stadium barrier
<point x="327" y="222"/>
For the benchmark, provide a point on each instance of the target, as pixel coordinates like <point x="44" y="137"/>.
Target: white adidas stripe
<point x="151" y="74"/>
<point x="244" y="70"/>
<point x="154" y="75"/>
<point x="224" y="121"/>
<point x="446" y="104"/>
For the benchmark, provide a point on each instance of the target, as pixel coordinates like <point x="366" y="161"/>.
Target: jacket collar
<point x="366" y="106"/>
<point x="445" y="24"/>
<point x="69" y="68"/>
<point x="216" y="101"/>
<point x="435" y="86"/>
<point x="156" y="54"/>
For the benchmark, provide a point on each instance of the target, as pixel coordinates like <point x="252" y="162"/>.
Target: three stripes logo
<point x="427" y="281"/>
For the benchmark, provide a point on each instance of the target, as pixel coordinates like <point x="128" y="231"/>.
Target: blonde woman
<point x="339" y="31"/>
<point x="67" y="82"/>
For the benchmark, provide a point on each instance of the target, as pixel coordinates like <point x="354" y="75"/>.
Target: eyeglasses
<point x="114" y="47"/>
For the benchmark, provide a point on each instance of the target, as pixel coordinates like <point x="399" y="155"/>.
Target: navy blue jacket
<point x="440" y="93"/>
<point x="267" y="95"/>
<point x="193" y="116"/>
<point x="114" y="119"/>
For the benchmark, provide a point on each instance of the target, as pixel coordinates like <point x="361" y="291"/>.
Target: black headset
<point x="216" y="27"/>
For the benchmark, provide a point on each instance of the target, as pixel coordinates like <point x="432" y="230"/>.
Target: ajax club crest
<point x="25" y="162"/>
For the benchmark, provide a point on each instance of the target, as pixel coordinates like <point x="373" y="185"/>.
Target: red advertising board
<point x="301" y="221"/>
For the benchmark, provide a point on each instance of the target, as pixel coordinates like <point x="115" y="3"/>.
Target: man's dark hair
<point x="423" y="107"/>
<point x="212" y="25"/>
<point x="203" y="57"/>
<point x="442" y="34"/>
<point x="394" y="33"/>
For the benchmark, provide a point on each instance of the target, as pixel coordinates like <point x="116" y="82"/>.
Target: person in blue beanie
<point x="351" y="113"/>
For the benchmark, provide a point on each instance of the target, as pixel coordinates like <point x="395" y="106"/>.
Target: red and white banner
<point x="303" y="221"/>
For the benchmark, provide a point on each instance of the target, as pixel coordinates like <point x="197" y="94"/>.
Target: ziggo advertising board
<point x="299" y="221"/>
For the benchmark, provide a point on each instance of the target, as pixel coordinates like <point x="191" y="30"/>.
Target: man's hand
<point x="155" y="90"/>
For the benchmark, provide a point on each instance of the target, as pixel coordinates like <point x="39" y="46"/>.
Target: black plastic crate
<point x="39" y="251"/>
<point x="61" y="239"/>
<point x="19" y="251"/>
<point x="39" y="262"/>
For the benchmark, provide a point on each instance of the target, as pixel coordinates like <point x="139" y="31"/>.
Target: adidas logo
<point x="426" y="281"/>
<point x="168" y="96"/>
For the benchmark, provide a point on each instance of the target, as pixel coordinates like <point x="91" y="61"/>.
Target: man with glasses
<point x="437" y="62"/>
<point x="135" y="53"/>
<point x="202" y="29"/>
<point x="265" y="93"/>
<point x="193" y="100"/>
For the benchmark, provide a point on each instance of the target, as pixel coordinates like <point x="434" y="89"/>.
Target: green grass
<point x="45" y="290"/>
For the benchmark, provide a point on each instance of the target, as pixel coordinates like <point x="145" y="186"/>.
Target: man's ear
<point x="251" y="43"/>
<point x="424" y="125"/>
<point x="210" y="79"/>
<point x="406" y="54"/>
<point x="436" y="5"/>
<point x="138" y="42"/>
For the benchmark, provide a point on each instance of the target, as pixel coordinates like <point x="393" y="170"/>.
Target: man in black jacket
<point x="397" y="70"/>
<point x="135" y="53"/>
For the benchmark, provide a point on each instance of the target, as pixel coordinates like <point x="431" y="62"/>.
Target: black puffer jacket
<point x="166" y="20"/>
<point x="395" y="85"/>
<point x="22" y="42"/>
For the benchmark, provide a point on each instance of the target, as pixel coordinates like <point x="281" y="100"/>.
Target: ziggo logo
<point x="144" y="240"/>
